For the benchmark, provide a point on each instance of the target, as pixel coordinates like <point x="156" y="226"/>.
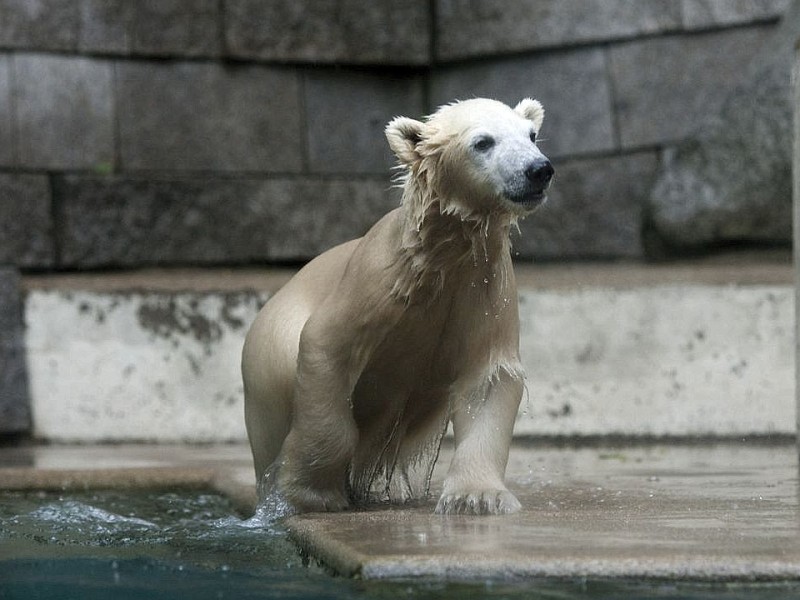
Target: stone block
<point x="705" y="14"/>
<point x="7" y="145"/>
<point x="665" y="88"/>
<point x="14" y="403"/>
<point x="733" y="181"/>
<point x="346" y="113"/>
<point x="346" y="31"/>
<point x="573" y="86"/>
<point x="151" y="27"/>
<point x="312" y="216"/>
<point x="594" y="210"/>
<point x="667" y="359"/>
<point x="470" y="28"/>
<point x="199" y="116"/>
<point x="64" y="112"/>
<point x="39" y="24"/>
<point x="163" y="366"/>
<point x="129" y="222"/>
<point x="26" y="225"/>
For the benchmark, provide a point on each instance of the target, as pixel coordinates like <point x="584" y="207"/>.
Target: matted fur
<point x="353" y="371"/>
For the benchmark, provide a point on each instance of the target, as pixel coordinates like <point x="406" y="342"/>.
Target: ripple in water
<point x="199" y="528"/>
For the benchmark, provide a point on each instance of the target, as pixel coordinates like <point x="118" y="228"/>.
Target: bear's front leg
<point x="319" y="448"/>
<point x="475" y="479"/>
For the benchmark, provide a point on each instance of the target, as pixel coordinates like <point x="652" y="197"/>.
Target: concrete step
<point x="701" y="348"/>
<point x="721" y="512"/>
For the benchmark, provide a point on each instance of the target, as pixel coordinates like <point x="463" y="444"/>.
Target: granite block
<point x="39" y="24"/>
<point x="26" y="225"/>
<point x="200" y="116"/>
<point x="14" y="402"/>
<point x="346" y="113"/>
<point x="705" y="14"/>
<point x="113" y="221"/>
<point x="345" y="31"/>
<point x="665" y="88"/>
<point x="594" y="210"/>
<point x="64" y="112"/>
<point x="7" y="145"/>
<point x="732" y="182"/>
<point x="572" y="86"/>
<point x="151" y="27"/>
<point x="474" y="28"/>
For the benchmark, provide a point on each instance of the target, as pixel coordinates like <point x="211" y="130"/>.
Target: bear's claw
<point x="479" y="502"/>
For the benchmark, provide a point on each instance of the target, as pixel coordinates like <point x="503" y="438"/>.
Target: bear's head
<point x="475" y="158"/>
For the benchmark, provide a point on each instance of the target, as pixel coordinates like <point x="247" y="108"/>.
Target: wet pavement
<point x="690" y="512"/>
<point x="699" y="512"/>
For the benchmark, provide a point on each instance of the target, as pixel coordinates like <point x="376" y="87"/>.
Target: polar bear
<point x="354" y="369"/>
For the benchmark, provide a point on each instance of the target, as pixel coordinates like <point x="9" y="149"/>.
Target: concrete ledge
<point x="712" y="513"/>
<point x="224" y="469"/>
<point x="691" y="349"/>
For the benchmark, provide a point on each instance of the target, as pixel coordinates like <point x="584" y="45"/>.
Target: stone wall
<point x="234" y="132"/>
<point x="128" y="128"/>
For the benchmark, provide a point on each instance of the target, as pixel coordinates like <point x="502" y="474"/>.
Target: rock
<point x="151" y="27"/>
<point x="594" y="210"/>
<point x="125" y="222"/>
<point x="26" y="224"/>
<point x="732" y="182"/>
<point x="64" y="112"/>
<point x="666" y="87"/>
<point x="465" y="28"/>
<point x="344" y="140"/>
<point x="7" y="149"/>
<point x="200" y="116"/>
<point x="703" y="14"/>
<point x="15" y="414"/>
<point x="347" y="31"/>
<point x="43" y="25"/>
<point x="573" y="86"/>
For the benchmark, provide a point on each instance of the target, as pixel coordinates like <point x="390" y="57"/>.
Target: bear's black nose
<point x="540" y="173"/>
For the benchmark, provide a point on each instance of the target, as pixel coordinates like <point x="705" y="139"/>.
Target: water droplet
<point x="485" y="280"/>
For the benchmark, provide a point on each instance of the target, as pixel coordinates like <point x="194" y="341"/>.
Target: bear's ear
<point x="403" y="135"/>
<point x="531" y="110"/>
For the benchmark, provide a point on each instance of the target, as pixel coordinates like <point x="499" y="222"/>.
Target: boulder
<point x="731" y="183"/>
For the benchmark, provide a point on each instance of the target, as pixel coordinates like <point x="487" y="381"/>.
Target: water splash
<point x="188" y="526"/>
<point x="78" y="514"/>
<point x="272" y="504"/>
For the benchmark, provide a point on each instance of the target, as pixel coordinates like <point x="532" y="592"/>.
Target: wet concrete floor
<point x="700" y="512"/>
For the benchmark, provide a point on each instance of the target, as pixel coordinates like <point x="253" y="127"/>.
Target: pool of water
<point x="192" y="545"/>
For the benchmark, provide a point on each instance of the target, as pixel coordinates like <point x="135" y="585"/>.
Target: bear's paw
<point x="478" y="502"/>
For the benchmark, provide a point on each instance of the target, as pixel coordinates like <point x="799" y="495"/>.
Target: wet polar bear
<point x="354" y="369"/>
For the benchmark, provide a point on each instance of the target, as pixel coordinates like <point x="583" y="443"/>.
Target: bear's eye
<point x="483" y="143"/>
<point x="533" y="136"/>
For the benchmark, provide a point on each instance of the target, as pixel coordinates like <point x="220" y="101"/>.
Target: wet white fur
<point x="353" y="369"/>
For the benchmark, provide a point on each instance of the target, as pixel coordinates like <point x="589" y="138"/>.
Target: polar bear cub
<point x="354" y="369"/>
